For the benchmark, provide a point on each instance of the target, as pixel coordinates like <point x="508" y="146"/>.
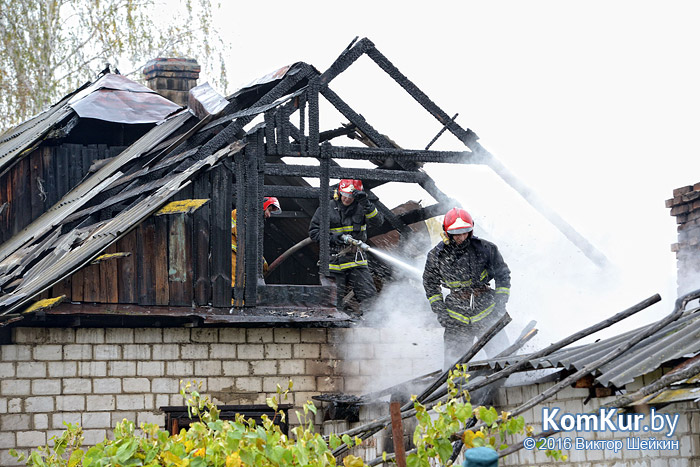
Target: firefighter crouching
<point x="350" y="212"/>
<point x="465" y="265"/>
<point x="270" y="205"/>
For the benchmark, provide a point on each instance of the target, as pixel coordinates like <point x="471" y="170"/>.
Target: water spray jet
<point x="383" y="255"/>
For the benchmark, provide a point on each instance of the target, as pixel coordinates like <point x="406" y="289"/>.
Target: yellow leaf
<point x="201" y="452"/>
<point x="233" y="460"/>
<point x="352" y="461"/>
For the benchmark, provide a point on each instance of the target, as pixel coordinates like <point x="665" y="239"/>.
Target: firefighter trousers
<point x="459" y="338"/>
<point x="359" y="279"/>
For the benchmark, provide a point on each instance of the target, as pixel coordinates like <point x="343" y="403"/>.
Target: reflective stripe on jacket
<point x="466" y="270"/>
<point x="351" y="220"/>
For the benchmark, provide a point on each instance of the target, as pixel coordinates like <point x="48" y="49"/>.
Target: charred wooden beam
<point x="324" y="195"/>
<point x="220" y="235"/>
<point x="346" y="172"/>
<point x="413" y="155"/>
<point x="281" y="191"/>
<point x="232" y="130"/>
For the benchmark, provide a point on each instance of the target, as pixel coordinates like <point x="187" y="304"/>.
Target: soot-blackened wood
<point x="62" y="171"/>
<point x="284" y="127"/>
<point x="75" y="163"/>
<point x="126" y="269"/>
<point x="270" y="138"/>
<point x="200" y="241"/>
<point x="313" y="140"/>
<point x="254" y="154"/>
<point x="180" y="260"/>
<point x="238" y="292"/>
<point x="37" y="182"/>
<point x="324" y="196"/>
<point x="48" y="163"/>
<point x="109" y="277"/>
<point x="220" y="222"/>
<point x="22" y="197"/>
<point x="145" y="247"/>
<point x="302" y="121"/>
<point x="160" y="260"/>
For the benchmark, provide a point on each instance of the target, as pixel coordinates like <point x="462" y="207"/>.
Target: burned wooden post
<point x="324" y="195"/>
<point x="220" y="236"/>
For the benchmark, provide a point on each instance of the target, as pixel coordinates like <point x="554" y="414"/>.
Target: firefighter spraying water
<point x="383" y="255"/>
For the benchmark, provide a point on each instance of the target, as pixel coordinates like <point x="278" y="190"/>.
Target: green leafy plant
<point x="434" y="434"/>
<point x="211" y="441"/>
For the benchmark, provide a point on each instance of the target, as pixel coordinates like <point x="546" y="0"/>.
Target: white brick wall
<point x="97" y="377"/>
<point x="571" y="400"/>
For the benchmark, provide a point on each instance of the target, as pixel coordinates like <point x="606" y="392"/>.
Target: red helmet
<point x="457" y="221"/>
<point x="347" y="187"/>
<point x="271" y="201"/>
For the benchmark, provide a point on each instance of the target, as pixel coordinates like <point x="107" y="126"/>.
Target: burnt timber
<point x="181" y="262"/>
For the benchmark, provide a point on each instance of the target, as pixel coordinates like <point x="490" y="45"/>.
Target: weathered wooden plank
<point x="21" y="204"/>
<point x="62" y="171"/>
<point x="109" y="277"/>
<point x="36" y="173"/>
<point x="200" y="247"/>
<point x="75" y="164"/>
<point x="63" y="287"/>
<point x="49" y="163"/>
<point x="220" y="236"/>
<point x="91" y="283"/>
<point x="126" y="269"/>
<point x="160" y="260"/>
<point x="145" y="247"/>
<point x="76" y="280"/>
<point x="180" y="260"/>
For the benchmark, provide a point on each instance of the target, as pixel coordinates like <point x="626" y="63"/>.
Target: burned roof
<point x="212" y="157"/>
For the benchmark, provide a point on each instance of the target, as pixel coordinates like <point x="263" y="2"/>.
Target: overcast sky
<point x="594" y="105"/>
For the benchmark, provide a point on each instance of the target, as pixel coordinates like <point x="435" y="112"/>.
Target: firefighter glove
<point x="359" y="195"/>
<point x="337" y="238"/>
<point x="501" y="300"/>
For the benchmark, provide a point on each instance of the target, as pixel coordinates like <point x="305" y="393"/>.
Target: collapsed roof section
<point x="111" y="98"/>
<point x="217" y="159"/>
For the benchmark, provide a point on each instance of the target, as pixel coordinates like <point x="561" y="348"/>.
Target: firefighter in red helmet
<point x="350" y="212"/>
<point x="465" y="265"/>
<point x="270" y="205"/>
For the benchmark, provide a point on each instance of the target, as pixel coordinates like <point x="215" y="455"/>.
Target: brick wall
<point x="97" y="377"/>
<point x="685" y="207"/>
<point x="571" y="400"/>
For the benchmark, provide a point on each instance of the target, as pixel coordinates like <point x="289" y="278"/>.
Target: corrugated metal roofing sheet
<point x="677" y="340"/>
<point x="112" y="98"/>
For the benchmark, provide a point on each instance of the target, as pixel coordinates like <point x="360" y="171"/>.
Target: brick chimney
<point x="172" y="78"/>
<point x="685" y="206"/>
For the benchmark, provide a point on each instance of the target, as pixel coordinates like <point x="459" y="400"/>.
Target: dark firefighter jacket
<point x="466" y="270"/>
<point x="351" y="220"/>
